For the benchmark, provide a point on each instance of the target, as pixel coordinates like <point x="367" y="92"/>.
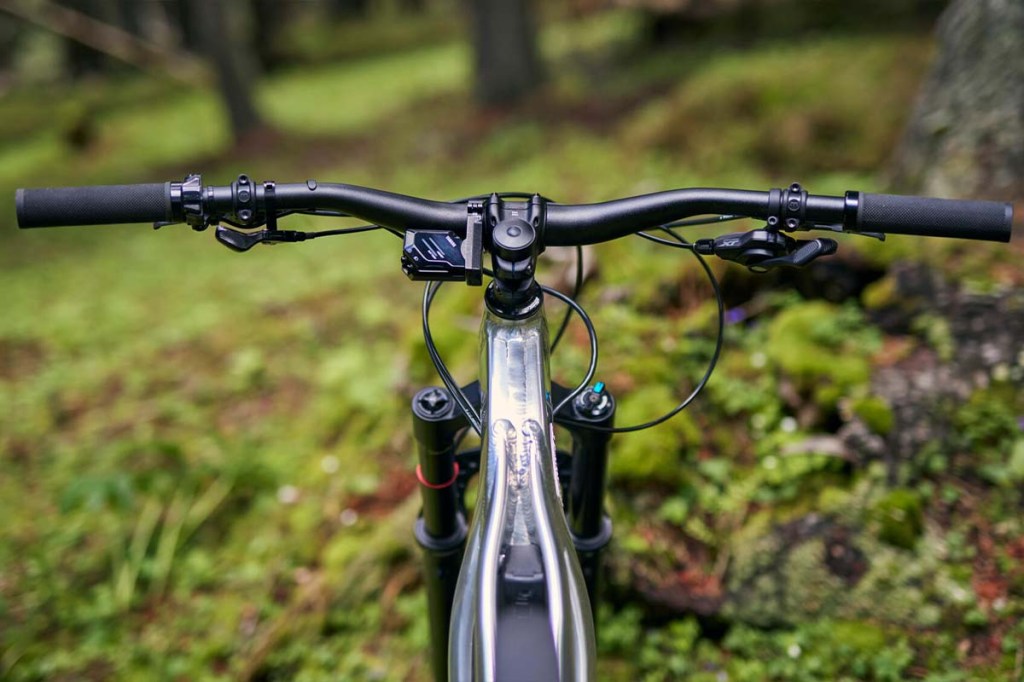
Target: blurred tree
<point x="413" y="6"/>
<point x="669" y="21"/>
<point x="269" y="17"/>
<point x="187" y="23"/>
<point x="349" y="9"/>
<point x="82" y="59"/>
<point x="107" y="39"/>
<point x="129" y="16"/>
<point x="8" y="41"/>
<point x="966" y="135"/>
<point x="218" y="44"/>
<point x="506" y="60"/>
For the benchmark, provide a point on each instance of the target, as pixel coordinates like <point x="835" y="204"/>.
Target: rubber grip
<point x="988" y="220"/>
<point x="96" y="205"/>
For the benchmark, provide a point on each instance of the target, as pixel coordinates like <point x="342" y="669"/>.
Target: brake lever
<point x="242" y="241"/>
<point x="762" y="250"/>
<point x="805" y="252"/>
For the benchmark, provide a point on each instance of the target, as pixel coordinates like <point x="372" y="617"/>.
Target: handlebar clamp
<point x="787" y="208"/>
<point x="243" y="191"/>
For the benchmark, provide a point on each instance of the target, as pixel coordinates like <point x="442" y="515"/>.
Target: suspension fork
<point x="590" y="526"/>
<point x="443" y="474"/>
<point x="441" y="527"/>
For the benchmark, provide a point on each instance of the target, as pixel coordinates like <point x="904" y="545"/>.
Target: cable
<point x="682" y="243"/>
<point x="429" y="291"/>
<point x="323" y="233"/>
<point x="463" y="402"/>
<point x="576" y="289"/>
<point x="591" y="332"/>
<point x="665" y="242"/>
<point x="344" y="230"/>
<point x="690" y="222"/>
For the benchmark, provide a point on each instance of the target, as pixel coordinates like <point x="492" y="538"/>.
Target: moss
<point x="757" y="110"/>
<point x="936" y="333"/>
<point x="654" y="454"/>
<point x="833" y="499"/>
<point x="823" y="347"/>
<point x="1015" y="469"/>
<point x="775" y="585"/>
<point x="782" y="576"/>
<point x="875" y="412"/>
<point x="880" y="294"/>
<point x="823" y="650"/>
<point x="900" y="518"/>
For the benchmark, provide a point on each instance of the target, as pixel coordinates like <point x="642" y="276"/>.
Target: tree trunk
<point x="9" y="44"/>
<point x="505" y="56"/>
<point x="184" y="14"/>
<point x="107" y="39"/>
<point x="129" y="16"/>
<point x="269" y="18"/>
<point x="966" y="135"/>
<point x="83" y="60"/>
<point x="233" y="76"/>
<point x="349" y="9"/>
<point x="413" y="6"/>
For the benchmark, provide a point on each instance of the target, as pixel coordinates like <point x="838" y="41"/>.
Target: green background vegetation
<point x="205" y="457"/>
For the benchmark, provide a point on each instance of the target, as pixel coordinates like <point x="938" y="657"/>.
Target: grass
<point x="206" y="459"/>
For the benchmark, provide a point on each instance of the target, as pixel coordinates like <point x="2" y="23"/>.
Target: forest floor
<point x="205" y="460"/>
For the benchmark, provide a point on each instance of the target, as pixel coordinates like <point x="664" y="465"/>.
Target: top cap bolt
<point x="433" y="400"/>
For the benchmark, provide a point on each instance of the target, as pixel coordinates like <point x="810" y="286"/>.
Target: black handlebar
<point x="565" y="224"/>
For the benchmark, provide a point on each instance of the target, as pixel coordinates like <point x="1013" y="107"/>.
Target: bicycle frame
<point x="529" y="496"/>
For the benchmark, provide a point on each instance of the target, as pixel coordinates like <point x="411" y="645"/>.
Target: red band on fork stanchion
<point x="436" y="486"/>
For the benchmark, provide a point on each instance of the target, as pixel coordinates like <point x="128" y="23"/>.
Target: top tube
<point x="521" y="561"/>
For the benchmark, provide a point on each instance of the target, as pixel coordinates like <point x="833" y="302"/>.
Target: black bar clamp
<point x="787" y="208"/>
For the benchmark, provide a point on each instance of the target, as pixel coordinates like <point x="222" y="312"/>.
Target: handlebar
<point x="247" y="202"/>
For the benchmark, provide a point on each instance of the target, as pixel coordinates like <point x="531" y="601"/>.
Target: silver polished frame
<point x="519" y="502"/>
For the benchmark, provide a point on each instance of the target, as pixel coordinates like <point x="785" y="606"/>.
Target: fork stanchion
<point x="441" y="527"/>
<point x="591" y="528"/>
